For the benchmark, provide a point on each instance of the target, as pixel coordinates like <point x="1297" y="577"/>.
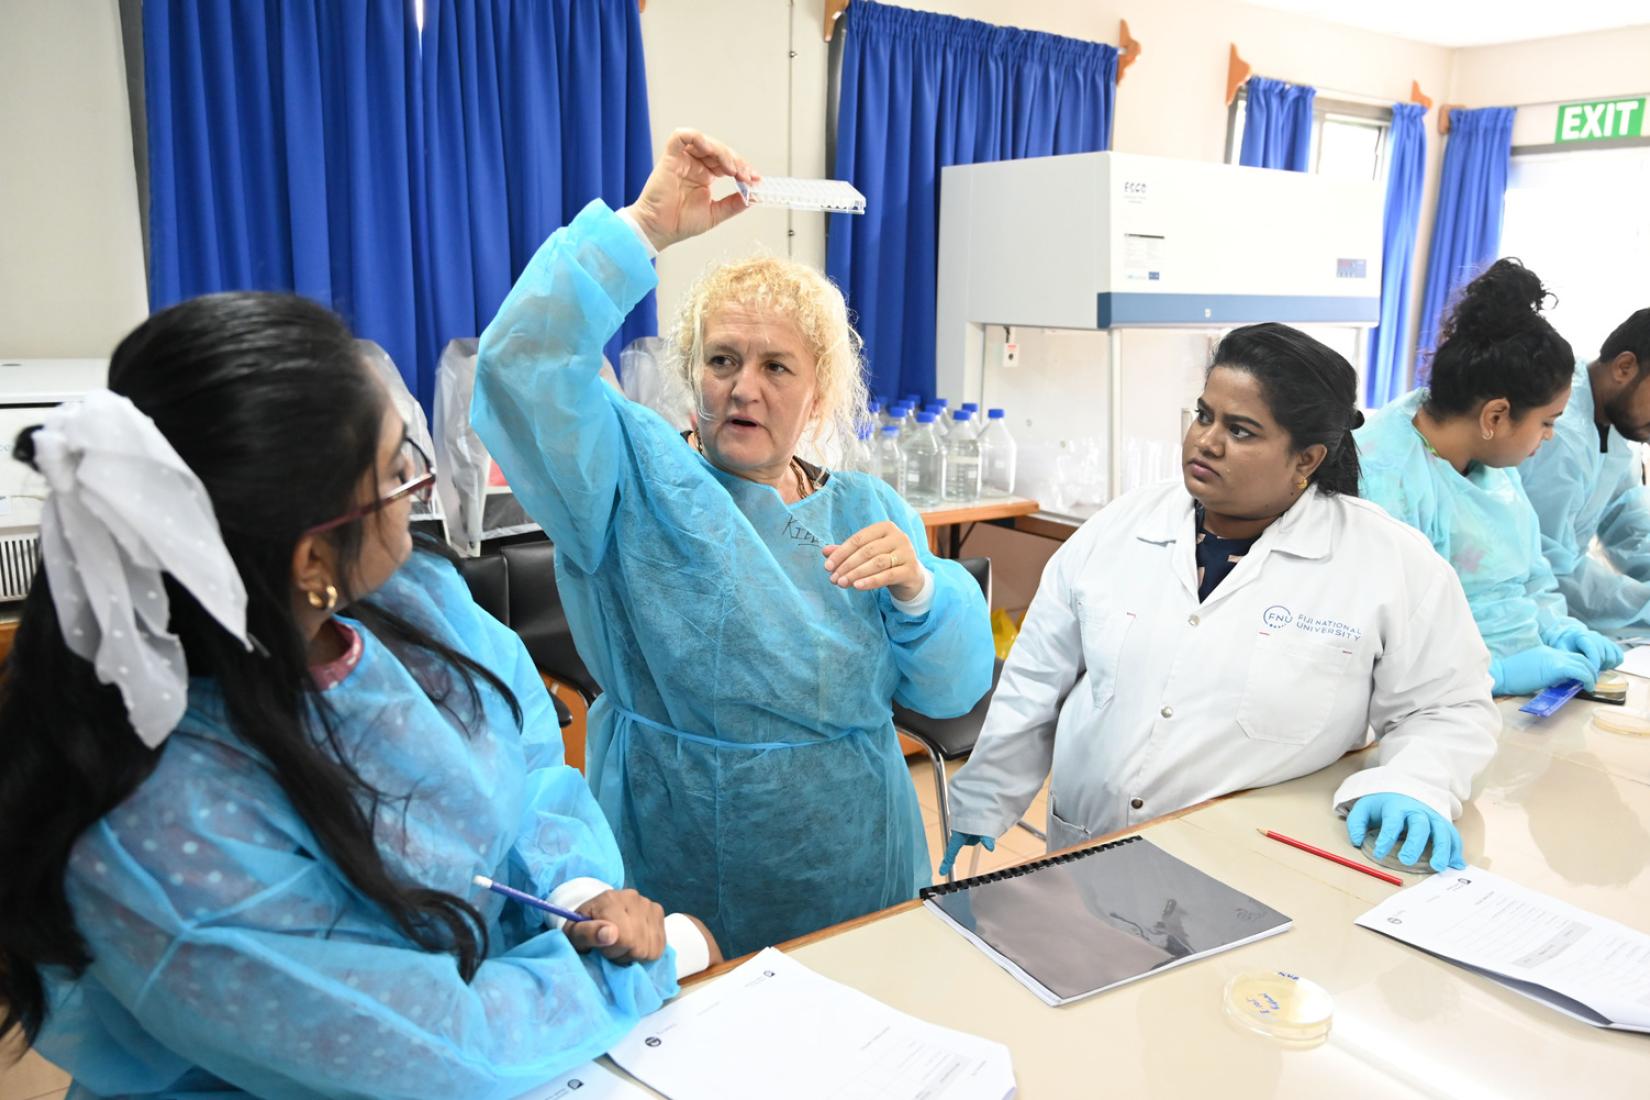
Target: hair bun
<point x="1500" y="302"/>
<point x="1357" y="419"/>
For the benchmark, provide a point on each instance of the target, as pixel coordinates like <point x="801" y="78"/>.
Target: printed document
<point x="774" y="1028"/>
<point x="1583" y="965"/>
<point x="587" y="1082"/>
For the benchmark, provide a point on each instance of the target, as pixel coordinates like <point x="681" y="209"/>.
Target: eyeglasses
<point x="420" y="486"/>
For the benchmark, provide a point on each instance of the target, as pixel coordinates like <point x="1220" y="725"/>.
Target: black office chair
<point x="538" y="616"/>
<point x="953" y="738"/>
<point x="515" y="605"/>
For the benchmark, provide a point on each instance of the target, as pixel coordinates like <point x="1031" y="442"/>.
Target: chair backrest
<point x="980" y="570"/>
<point x="488" y="578"/>
<point x="537" y="614"/>
<point x="489" y="581"/>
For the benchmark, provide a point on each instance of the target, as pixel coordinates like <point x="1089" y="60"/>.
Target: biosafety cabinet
<point x="1115" y="241"/>
<point x="29" y="388"/>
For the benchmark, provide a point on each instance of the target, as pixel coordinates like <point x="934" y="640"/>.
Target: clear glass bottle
<point x="857" y="455"/>
<point x="998" y="456"/>
<point x="942" y="425"/>
<point x="962" y="461"/>
<point x="924" y="464"/>
<point x="888" y="460"/>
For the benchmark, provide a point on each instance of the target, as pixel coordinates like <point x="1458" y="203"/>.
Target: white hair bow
<point x="123" y="510"/>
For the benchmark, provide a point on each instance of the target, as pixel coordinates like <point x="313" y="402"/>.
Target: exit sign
<point x="1607" y="118"/>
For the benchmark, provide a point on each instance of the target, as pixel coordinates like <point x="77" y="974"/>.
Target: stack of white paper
<point x="1583" y="965"/>
<point x="773" y="1028"/>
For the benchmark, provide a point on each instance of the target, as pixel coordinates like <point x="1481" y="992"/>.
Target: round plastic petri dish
<point x="1610" y="688"/>
<point x="1280" y="1005"/>
<point x="1392" y="862"/>
<point x="1623" y="722"/>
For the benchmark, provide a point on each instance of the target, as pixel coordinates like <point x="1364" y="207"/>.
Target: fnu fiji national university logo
<point x="1277" y="617"/>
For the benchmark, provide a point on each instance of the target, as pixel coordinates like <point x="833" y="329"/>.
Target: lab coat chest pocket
<point x="1104" y="631"/>
<point x="1291" y="688"/>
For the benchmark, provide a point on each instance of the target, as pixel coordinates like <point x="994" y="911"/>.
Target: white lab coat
<point x="1340" y="619"/>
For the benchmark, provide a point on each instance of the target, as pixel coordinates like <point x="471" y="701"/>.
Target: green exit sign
<point x="1606" y="118"/>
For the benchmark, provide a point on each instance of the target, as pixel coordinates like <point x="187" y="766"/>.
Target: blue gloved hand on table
<point x="1397" y="814"/>
<point x="1540" y="667"/>
<point x="1599" y="650"/>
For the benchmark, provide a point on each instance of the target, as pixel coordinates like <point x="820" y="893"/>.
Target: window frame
<point x="1324" y="109"/>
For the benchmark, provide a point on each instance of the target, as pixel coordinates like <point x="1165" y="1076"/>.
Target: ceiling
<point x="1457" y="23"/>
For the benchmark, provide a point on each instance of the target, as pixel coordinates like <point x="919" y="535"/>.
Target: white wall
<point x="71" y="256"/>
<point x="1558" y="70"/>
<point x="724" y="67"/>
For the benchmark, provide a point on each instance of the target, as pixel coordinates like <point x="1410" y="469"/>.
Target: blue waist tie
<point x="715" y="743"/>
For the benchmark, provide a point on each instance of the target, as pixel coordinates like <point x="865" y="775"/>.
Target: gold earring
<point x="323" y="603"/>
<point x="1488" y="436"/>
<point x="1301" y="484"/>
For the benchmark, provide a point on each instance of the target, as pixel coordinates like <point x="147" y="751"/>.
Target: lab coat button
<point x="1194" y="620"/>
<point x="1167" y="712"/>
<point x="1136" y="803"/>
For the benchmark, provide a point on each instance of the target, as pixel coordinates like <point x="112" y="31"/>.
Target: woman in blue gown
<point x="255" y="748"/>
<point x="750" y="616"/>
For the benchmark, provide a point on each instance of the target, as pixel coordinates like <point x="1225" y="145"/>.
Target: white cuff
<point x="572" y="894"/>
<point x="692" y="952"/>
<point x="918" y="605"/>
<point x="636" y="227"/>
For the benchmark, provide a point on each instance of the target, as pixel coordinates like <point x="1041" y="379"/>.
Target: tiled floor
<point x="1014" y="846"/>
<point x="36" y="1079"/>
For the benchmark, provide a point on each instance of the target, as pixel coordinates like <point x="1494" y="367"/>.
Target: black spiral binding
<point x="1023" y="869"/>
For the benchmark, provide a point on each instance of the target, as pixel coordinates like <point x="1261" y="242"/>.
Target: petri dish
<point x="1280" y="1005"/>
<point x="1624" y="722"/>
<point x="1611" y="688"/>
<point x="1392" y="862"/>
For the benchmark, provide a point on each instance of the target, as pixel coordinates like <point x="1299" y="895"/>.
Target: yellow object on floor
<point x="1004" y="629"/>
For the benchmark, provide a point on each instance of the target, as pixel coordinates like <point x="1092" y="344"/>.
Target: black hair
<point x="1311" y="390"/>
<point x="1495" y="343"/>
<point x="265" y="397"/>
<point x="1631" y="335"/>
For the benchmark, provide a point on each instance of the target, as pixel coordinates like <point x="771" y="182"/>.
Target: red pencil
<point x="1342" y="860"/>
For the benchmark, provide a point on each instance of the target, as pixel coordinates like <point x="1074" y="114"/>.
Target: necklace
<point x="804" y="482"/>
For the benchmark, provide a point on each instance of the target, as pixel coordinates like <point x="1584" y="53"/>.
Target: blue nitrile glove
<point x="957" y="842"/>
<point x="1601" y="651"/>
<point x="1540" y="667"/>
<point x="1399" y="813"/>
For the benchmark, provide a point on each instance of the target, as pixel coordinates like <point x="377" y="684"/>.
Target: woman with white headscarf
<point x="255" y="748"/>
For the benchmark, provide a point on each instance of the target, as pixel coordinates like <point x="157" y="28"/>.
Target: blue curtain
<point x="1389" y="341"/>
<point x="921" y="91"/>
<point x="531" y="108"/>
<point x="1277" y="125"/>
<point x="320" y="146"/>
<point x="1466" y="234"/>
<point x="281" y="155"/>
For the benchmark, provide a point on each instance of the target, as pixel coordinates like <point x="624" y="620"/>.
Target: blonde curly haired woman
<point x="749" y="615"/>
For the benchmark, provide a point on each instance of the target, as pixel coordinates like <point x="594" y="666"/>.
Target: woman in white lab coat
<point x="1240" y="628"/>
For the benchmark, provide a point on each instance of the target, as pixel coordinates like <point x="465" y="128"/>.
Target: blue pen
<point x="528" y="899"/>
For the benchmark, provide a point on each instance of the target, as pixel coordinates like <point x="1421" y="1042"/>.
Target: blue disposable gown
<point x="743" y="746"/>
<point x="229" y="954"/>
<point x="1579" y="493"/>
<point x="1481" y="523"/>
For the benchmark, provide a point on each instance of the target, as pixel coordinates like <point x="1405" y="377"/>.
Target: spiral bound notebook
<point x="1081" y="923"/>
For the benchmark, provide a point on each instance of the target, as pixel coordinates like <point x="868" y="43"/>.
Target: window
<point x="1578" y="219"/>
<point x="1349" y="140"/>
